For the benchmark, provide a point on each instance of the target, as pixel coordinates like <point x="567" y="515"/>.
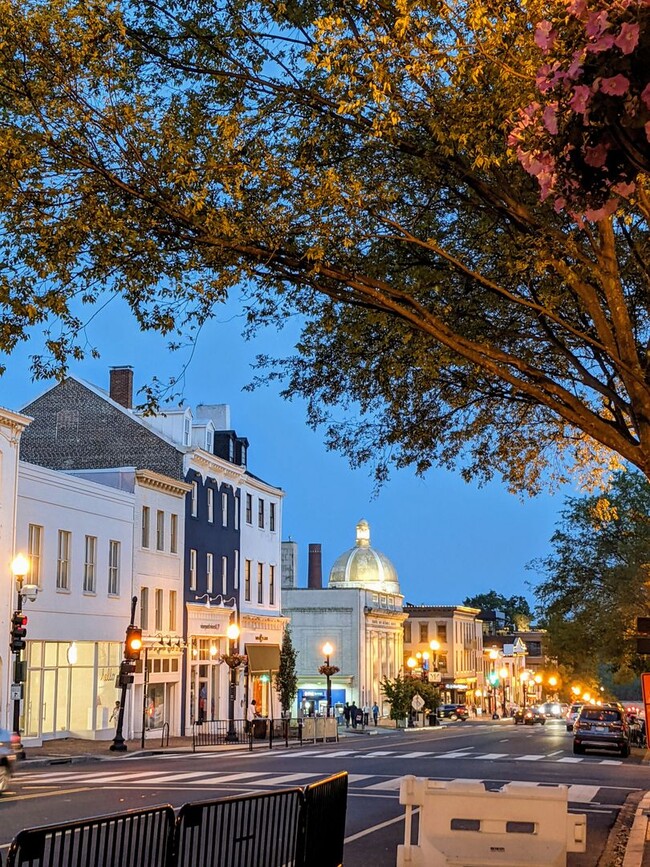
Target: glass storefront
<point x="205" y="668"/>
<point x="70" y="687"/>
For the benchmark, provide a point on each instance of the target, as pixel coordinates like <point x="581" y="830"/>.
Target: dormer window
<point x="209" y="441"/>
<point x="187" y="430"/>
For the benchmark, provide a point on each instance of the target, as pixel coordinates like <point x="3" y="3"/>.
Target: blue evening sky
<point x="447" y="539"/>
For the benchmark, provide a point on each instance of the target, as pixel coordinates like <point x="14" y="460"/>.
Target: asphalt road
<point x="492" y="752"/>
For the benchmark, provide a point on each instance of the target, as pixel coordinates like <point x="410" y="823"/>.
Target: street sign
<point x="16" y="692"/>
<point x="435" y="677"/>
<point x="417" y="703"/>
<point x="645" y="690"/>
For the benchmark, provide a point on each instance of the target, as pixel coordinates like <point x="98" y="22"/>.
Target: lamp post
<point x="434" y="644"/>
<point x="327" y="650"/>
<point x="503" y="674"/>
<point x="411" y="662"/>
<point x="19" y="568"/>
<point x="494" y="655"/>
<point x="524" y="685"/>
<point x="233" y="635"/>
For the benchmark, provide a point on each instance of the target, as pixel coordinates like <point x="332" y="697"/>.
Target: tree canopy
<point x="597" y="578"/>
<point x="347" y="162"/>
<point x="516" y="608"/>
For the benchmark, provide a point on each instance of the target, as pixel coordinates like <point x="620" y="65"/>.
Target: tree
<point x="399" y="691"/>
<point x="516" y="608"/>
<point x="346" y="163"/>
<point x="596" y="582"/>
<point x="286" y="679"/>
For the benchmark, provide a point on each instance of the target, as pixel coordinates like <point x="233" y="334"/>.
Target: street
<point x="493" y="752"/>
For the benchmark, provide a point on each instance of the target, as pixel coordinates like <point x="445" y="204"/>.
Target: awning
<point x="263" y="657"/>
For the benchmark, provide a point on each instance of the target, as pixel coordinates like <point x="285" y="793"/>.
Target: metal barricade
<point x="462" y="823"/>
<point x="215" y="732"/>
<point x="142" y="837"/>
<point x="323" y="822"/>
<point x="252" y="831"/>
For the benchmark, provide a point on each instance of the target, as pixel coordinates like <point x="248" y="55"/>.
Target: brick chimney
<point x="121" y="385"/>
<point x="315" y="568"/>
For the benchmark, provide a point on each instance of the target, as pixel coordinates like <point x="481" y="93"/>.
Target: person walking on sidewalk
<point x="375" y="712"/>
<point x="346" y="714"/>
<point x="353" y="714"/>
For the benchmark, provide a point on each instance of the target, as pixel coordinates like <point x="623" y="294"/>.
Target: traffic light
<point x="126" y="675"/>
<point x="18" y="631"/>
<point x="133" y="643"/>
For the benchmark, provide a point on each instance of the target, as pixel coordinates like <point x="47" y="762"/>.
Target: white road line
<point x="570" y="760"/>
<point x="455" y="754"/>
<point x="176" y="778"/>
<point x="288" y="779"/>
<point x="610" y="762"/>
<point x="356" y="778"/>
<point x="389" y="785"/>
<point x="556" y="753"/>
<point x="582" y="794"/>
<point x="488" y="756"/>
<point x="229" y="778"/>
<point x="414" y="755"/>
<point x="529" y="758"/>
<point x="375" y="755"/>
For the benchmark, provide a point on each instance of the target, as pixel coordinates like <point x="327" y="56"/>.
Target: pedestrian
<point x="115" y="713"/>
<point x="375" y="712"/>
<point x="366" y="714"/>
<point x="346" y="714"/>
<point x="353" y="714"/>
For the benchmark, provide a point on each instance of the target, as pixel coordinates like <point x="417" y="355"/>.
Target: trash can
<point x="260" y="728"/>
<point x="433" y="719"/>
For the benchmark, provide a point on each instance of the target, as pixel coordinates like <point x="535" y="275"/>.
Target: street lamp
<point x="19" y="568"/>
<point x="411" y="663"/>
<point x="524" y="685"/>
<point x="503" y="674"/>
<point x="232" y="633"/>
<point x="327" y="650"/>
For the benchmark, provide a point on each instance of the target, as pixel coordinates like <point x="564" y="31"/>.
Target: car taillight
<point x="15" y="739"/>
<point x="583" y="725"/>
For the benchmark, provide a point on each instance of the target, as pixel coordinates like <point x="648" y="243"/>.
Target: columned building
<point x="359" y="614"/>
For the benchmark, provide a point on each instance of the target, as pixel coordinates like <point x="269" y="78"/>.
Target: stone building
<point x="360" y="614"/>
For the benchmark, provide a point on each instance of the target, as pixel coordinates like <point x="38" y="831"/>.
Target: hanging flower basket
<point x="234" y="660"/>
<point x="328" y="670"/>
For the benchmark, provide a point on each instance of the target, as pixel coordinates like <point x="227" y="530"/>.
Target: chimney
<point x="121" y="385"/>
<point x="315" y="569"/>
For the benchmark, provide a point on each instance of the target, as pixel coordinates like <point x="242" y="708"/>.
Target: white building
<point x="359" y="614"/>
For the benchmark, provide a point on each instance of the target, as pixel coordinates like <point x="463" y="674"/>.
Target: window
<point x="173" y="596"/>
<point x="235" y="576"/>
<point x="195" y="499"/>
<point x="209" y="441"/>
<point x="249" y="509"/>
<point x="260" y="514"/>
<point x="158" y="611"/>
<point x="34" y="545"/>
<point x="192" y="569"/>
<point x="160" y="530"/>
<point x="272" y="517"/>
<point x="271" y="585"/>
<point x="224" y="575"/>
<point x="224" y="510"/>
<point x="187" y="430"/>
<point x="90" y="564"/>
<point x="173" y="533"/>
<point x="441" y="630"/>
<point x="113" y="568"/>
<point x="407" y="633"/>
<point x="424" y="631"/>
<point x="236" y="515"/>
<point x="247" y="580"/>
<point x="146" y="519"/>
<point x="210" y="505"/>
<point x="260" y="583"/>
<point x="144" y="608"/>
<point x="63" y="561"/>
<point x="209" y="571"/>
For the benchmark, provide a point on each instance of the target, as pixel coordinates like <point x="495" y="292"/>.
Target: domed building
<point x="359" y="615"/>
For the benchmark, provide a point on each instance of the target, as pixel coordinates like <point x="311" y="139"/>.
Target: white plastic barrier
<point x="461" y="823"/>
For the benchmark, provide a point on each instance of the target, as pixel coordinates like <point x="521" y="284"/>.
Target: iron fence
<point x="288" y="828"/>
<point x="258" y="733"/>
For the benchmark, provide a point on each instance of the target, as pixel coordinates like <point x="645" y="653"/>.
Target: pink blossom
<point x="545" y="36"/>
<point x="603" y="43"/>
<point x="645" y="96"/>
<point x="628" y="38"/>
<point x="549" y="118"/>
<point x="559" y="204"/>
<point x="575" y="69"/>
<point x="624" y="189"/>
<point x="599" y="214"/>
<point x="647" y="130"/>
<point x="577" y="7"/>
<point x="596" y="155"/>
<point x="597" y="23"/>
<point x="615" y="86"/>
<point x="580" y="98"/>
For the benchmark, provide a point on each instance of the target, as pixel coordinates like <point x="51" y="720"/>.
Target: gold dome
<point x="364" y="567"/>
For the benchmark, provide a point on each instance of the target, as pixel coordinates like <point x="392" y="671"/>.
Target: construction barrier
<point x="462" y="823"/>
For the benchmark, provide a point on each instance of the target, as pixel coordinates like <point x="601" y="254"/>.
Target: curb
<point x="636" y="841"/>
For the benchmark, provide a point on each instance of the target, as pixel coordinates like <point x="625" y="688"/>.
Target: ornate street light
<point x="411" y="662"/>
<point x="328" y="670"/>
<point x="232" y="633"/>
<point x="523" y="677"/>
<point x="19" y="569"/>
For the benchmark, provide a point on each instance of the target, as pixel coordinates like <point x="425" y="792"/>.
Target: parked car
<point x="572" y="716"/>
<point x="529" y="715"/>
<point x="8" y="756"/>
<point x="602" y="728"/>
<point x="453" y="711"/>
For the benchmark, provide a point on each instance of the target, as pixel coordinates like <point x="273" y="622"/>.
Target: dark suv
<point x="602" y="728"/>
<point x="453" y="711"/>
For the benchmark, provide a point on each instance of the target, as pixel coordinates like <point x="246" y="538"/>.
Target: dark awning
<point x="263" y="657"/>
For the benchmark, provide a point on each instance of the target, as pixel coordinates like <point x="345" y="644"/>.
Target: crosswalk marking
<point x="610" y="762"/>
<point x="454" y="754"/>
<point x="528" y="758"/>
<point x="289" y="779"/>
<point x="247" y="776"/>
<point x="583" y="794"/>
<point x="570" y="760"/>
<point x="389" y="785"/>
<point x="492" y="756"/>
<point x="414" y="755"/>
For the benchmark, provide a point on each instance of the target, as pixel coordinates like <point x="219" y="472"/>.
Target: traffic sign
<point x="417" y="702"/>
<point x="435" y="677"/>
